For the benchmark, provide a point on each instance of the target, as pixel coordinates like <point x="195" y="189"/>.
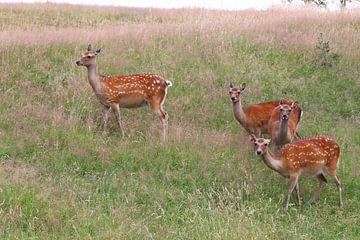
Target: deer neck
<point x="273" y="162"/>
<point x="94" y="79"/>
<point x="239" y="112"/>
<point x="283" y="130"/>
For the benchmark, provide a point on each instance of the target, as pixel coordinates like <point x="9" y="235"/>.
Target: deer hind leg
<point x="157" y="107"/>
<point x="116" y="109"/>
<point x="338" y="185"/>
<point x="322" y="183"/>
<point x="105" y="117"/>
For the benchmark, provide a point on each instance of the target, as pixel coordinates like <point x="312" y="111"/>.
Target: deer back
<point x="312" y="153"/>
<point x="133" y="89"/>
<point x="259" y="114"/>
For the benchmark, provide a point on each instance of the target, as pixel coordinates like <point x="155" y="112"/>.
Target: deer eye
<point x="229" y="92"/>
<point x="238" y="92"/>
<point x="265" y="144"/>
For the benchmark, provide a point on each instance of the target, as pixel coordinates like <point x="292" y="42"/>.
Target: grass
<point x="61" y="179"/>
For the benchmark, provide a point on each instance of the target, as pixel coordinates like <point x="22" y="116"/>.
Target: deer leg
<point x="292" y="183"/>
<point x="322" y="183"/>
<point x="164" y="122"/>
<point x="116" y="109"/>
<point x="297" y="189"/>
<point x="338" y="185"/>
<point x="159" y="111"/>
<point x="257" y="132"/>
<point x="105" y="117"/>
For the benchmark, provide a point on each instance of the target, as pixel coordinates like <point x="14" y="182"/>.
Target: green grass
<point x="61" y="179"/>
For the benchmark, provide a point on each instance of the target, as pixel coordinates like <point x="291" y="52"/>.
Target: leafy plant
<point x="324" y="55"/>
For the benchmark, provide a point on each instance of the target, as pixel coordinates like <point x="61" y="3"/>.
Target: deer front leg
<point x="116" y="109"/>
<point x="292" y="183"/>
<point x="105" y="117"/>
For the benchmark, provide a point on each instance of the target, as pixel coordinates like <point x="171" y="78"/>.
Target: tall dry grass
<point x="288" y="26"/>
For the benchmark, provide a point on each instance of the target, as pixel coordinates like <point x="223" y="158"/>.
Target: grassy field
<point x="60" y="178"/>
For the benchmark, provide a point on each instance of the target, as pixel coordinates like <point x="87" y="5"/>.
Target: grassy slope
<point x="60" y="178"/>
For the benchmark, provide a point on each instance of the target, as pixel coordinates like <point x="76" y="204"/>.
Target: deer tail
<point x="168" y="83"/>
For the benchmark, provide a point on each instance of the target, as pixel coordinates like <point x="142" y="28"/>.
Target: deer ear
<point x="267" y="141"/>
<point x="242" y="87"/>
<point x="98" y="51"/>
<point x="89" y="47"/>
<point x="252" y="138"/>
<point x="231" y="85"/>
<point x="294" y="104"/>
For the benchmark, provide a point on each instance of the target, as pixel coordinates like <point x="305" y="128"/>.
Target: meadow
<point x="60" y="178"/>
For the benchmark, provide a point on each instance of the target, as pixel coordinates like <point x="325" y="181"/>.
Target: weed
<point x="325" y="57"/>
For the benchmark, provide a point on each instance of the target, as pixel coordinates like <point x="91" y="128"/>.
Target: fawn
<point x="127" y="91"/>
<point x="312" y="155"/>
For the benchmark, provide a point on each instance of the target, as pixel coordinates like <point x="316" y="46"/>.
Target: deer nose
<point x="285" y="117"/>
<point x="233" y="98"/>
<point x="78" y="62"/>
<point x="258" y="152"/>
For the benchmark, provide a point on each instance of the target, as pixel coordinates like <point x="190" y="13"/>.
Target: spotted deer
<point x="254" y="118"/>
<point x="283" y="123"/>
<point x="126" y="91"/>
<point x="312" y="156"/>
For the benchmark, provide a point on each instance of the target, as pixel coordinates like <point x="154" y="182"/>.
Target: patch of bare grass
<point x="16" y="173"/>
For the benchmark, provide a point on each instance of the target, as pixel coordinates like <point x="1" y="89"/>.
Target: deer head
<point x="285" y="109"/>
<point x="260" y="144"/>
<point x="88" y="57"/>
<point x="234" y="92"/>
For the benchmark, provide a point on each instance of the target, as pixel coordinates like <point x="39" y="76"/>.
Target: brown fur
<point x="259" y="114"/>
<point x="256" y="115"/>
<point x="312" y="156"/>
<point x="292" y="123"/>
<point x="127" y="91"/>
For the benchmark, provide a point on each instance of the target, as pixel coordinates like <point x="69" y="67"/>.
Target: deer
<point x="283" y="123"/>
<point x="312" y="155"/>
<point x="126" y="91"/>
<point x="254" y="118"/>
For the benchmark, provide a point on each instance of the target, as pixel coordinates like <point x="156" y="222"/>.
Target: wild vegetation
<point x="60" y="178"/>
